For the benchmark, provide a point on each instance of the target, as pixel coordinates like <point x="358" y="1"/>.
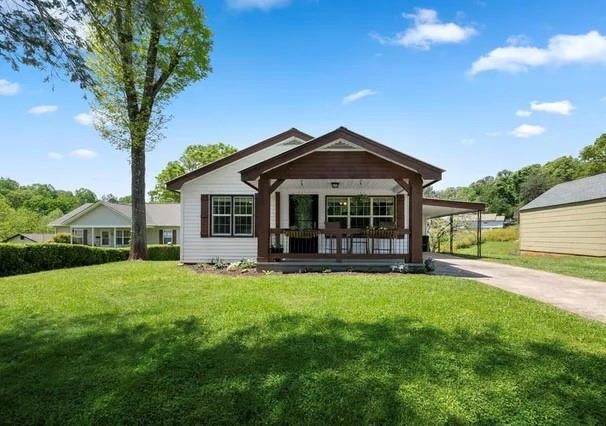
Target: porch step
<point x="299" y="266"/>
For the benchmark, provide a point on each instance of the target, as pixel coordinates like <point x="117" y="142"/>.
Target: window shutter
<point x="204" y="215"/>
<point x="174" y="236"/>
<point x="160" y="239"/>
<point x="400" y="212"/>
<point x="85" y="237"/>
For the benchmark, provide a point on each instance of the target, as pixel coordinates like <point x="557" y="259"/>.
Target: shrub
<point x="163" y="252"/>
<point x="61" y="238"/>
<point x="27" y="258"/>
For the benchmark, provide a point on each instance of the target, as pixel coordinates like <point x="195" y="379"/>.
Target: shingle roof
<point x="156" y="214"/>
<point x="576" y="191"/>
<point x="39" y="238"/>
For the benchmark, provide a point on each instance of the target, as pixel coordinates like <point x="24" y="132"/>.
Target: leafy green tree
<point x="594" y="157"/>
<point x="194" y="157"/>
<point x="142" y="54"/>
<point x="564" y="169"/>
<point x="85" y="196"/>
<point x="45" y="34"/>
<point x="534" y="185"/>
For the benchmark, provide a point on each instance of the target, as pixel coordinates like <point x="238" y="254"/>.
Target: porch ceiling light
<point x="335" y="185"/>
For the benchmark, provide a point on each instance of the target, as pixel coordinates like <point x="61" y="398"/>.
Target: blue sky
<point x="441" y="81"/>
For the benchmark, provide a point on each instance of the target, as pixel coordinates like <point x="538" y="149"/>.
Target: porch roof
<point x="428" y="172"/>
<point x="433" y="207"/>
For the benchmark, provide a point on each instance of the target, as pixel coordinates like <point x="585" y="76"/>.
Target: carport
<point x="434" y="208"/>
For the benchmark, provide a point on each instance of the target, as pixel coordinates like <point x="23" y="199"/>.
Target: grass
<point x="157" y="343"/>
<point x="508" y="252"/>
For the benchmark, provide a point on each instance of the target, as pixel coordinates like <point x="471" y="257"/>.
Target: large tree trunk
<point x="138" y="242"/>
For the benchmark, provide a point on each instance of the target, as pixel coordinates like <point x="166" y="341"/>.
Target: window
<point x="232" y="215"/>
<point x="122" y="237"/>
<point x="167" y="236"/>
<point x="360" y="211"/>
<point x="78" y="236"/>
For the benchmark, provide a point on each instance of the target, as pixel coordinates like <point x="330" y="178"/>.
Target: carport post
<point x="479" y="235"/>
<point x="450" y="234"/>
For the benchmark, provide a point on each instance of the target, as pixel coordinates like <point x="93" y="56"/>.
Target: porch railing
<point x="339" y="244"/>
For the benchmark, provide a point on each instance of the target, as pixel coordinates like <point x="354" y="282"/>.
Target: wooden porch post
<point x="415" y="219"/>
<point x="262" y="219"/>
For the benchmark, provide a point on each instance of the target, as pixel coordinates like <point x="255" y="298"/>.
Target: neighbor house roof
<point x="576" y="191"/>
<point x="428" y="171"/>
<point x="168" y="214"/>
<point x="176" y="183"/>
<point x="38" y="238"/>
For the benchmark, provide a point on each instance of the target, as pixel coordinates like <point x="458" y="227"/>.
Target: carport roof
<point x="433" y="207"/>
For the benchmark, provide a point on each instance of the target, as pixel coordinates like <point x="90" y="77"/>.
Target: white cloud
<point x="468" y="141"/>
<point x="527" y="130"/>
<point x="55" y="156"/>
<point x="356" y="96"/>
<point x="561" y="49"/>
<point x="84" y="154"/>
<point x="43" y="109"/>
<point x="560" y="107"/>
<point x="8" y="88"/>
<point x="256" y="4"/>
<point x="427" y="31"/>
<point x="523" y="113"/>
<point x="84" y="118"/>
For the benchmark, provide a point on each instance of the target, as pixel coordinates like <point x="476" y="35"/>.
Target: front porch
<point x="363" y="204"/>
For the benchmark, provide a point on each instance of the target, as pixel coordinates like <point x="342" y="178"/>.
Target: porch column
<point x="92" y="241"/>
<point x="262" y="219"/>
<point x="415" y="219"/>
<point x="114" y="236"/>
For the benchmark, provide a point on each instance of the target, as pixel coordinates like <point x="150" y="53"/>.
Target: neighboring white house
<point x="489" y="221"/>
<point x="106" y="224"/>
<point x="292" y="196"/>
<point x="29" y="238"/>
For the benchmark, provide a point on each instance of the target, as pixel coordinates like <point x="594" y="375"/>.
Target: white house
<point x="106" y="224"/>
<point x="339" y="196"/>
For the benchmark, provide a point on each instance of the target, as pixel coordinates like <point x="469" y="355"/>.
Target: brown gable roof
<point x="426" y="170"/>
<point x="176" y="184"/>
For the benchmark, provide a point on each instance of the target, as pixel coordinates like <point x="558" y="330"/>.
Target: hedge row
<point x="26" y="258"/>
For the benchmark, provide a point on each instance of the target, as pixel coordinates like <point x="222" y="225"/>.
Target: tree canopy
<point x="509" y="190"/>
<point x="30" y="208"/>
<point x="194" y="157"/>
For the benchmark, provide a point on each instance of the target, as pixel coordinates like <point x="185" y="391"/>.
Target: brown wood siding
<point x="340" y="165"/>
<point x="572" y="229"/>
<point x="204" y="216"/>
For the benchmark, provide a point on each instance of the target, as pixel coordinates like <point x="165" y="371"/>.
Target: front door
<point x="302" y="217"/>
<point x="105" y="239"/>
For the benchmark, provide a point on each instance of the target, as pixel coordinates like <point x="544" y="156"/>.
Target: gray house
<point x="106" y="224"/>
<point x="29" y="238"/>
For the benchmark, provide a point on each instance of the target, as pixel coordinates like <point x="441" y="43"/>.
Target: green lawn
<point x="508" y="252"/>
<point x="157" y="343"/>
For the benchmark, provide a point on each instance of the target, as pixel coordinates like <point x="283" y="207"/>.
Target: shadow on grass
<point x="290" y="369"/>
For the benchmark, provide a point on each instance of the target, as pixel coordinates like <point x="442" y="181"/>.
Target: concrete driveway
<point x="584" y="297"/>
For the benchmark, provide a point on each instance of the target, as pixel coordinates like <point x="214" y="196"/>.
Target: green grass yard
<point x="157" y="343"/>
<point x="508" y="252"/>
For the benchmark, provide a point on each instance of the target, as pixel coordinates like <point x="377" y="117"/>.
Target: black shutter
<point x="204" y="216"/>
<point x="174" y="236"/>
<point x="160" y="239"/>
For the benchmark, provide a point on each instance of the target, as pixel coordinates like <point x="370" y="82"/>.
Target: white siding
<point x="225" y="181"/>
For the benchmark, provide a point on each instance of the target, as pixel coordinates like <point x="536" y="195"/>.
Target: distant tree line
<point x="509" y="190"/>
<point x="30" y="208"/>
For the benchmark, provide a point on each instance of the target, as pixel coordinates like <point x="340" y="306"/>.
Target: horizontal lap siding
<point x="223" y="181"/>
<point x="577" y="229"/>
